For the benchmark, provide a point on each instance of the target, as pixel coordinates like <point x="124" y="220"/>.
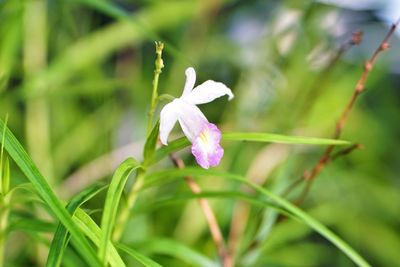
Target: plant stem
<point x="125" y="210"/>
<point x="359" y="88"/>
<point x="133" y="193"/>
<point x="224" y="255"/>
<point x="4" y="211"/>
<point x="159" y="64"/>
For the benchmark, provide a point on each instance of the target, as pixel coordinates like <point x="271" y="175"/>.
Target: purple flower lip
<point x="206" y="148"/>
<point x="205" y="136"/>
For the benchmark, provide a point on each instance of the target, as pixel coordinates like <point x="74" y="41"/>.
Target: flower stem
<point x="4" y="212"/>
<point x="125" y="210"/>
<point x="133" y="193"/>
<point x="227" y="259"/>
<point x="159" y="64"/>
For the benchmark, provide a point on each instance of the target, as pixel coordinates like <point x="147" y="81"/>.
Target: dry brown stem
<point x="215" y="231"/>
<point x="359" y="88"/>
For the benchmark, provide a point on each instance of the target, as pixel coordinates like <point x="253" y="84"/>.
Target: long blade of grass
<point x="281" y="139"/>
<point x="139" y="257"/>
<point x="113" y="197"/>
<point x="61" y="236"/>
<point x="93" y="231"/>
<point x="25" y="163"/>
<point x="249" y="137"/>
<point x="177" y="250"/>
<point x="295" y="211"/>
<point x="151" y="142"/>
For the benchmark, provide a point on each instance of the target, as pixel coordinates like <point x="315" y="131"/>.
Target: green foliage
<point x="113" y="197"/>
<point x="61" y="236"/>
<point x="83" y="95"/>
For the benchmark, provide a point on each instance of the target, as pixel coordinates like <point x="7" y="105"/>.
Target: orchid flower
<point x="203" y="135"/>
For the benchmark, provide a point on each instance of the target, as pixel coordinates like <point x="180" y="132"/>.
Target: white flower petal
<point x="168" y="117"/>
<point x="207" y="92"/>
<point x="191" y="119"/>
<point x="190" y="80"/>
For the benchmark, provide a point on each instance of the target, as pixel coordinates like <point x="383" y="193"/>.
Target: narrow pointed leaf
<point x="61" y="236"/>
<point x="181" y="143"/>
<point x="139" y="257"/>
<point x="289" y="207"/>
<point x="94" y="233"/>
<point x="151" y="142"/>
<point x="25" y="163"/>
<point x="113" y="197"/>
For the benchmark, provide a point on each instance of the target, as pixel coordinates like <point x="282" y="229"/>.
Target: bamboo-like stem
<point x="159" y="64"/>
<point x="359" y="88"/>
<point x="133" y="193"/>
<point x="225" y="257"/>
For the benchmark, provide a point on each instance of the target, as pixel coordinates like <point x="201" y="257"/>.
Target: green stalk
<point x="159" y="64"/>
<point x="125" y="210"/>
<point x="4" y="206"/>
<point x="133" y="193"/>
<point x="4" y="198"/>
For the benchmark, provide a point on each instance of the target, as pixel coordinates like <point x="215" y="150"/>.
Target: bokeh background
<point x="75" y="81"/>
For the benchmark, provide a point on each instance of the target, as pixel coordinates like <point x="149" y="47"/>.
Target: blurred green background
<point x="75" y="79"/>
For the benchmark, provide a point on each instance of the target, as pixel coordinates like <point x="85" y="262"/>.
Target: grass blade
<point x="139" y="257"/>
<point x="177" y="250"/>
<point x="61" y="236"/>
<point x="25" y="163"/>
<point x="113" y="197"/>
<point x="93" y="231"/>
<point x="281" y="139"/>
<point x="249" y="137"/>
<point x="289" y="207"/>
<point x="151" y="142"/>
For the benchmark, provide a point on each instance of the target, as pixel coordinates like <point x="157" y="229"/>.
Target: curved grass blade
<point x="61" y="236"/>
<point x="151" y="142"/>
<point x="31" y="225"/>
<point x="182" y="197"/>
<point x="177" y="250"/>
<point x="289" y="207"/>
<point x="113" y="197"/>
<point x="281" y="139"/>
<point x="93" y="231"/>
<point x="249" y="137"/>
<point x="139" y="257"/>
<point x="25" y="163"/>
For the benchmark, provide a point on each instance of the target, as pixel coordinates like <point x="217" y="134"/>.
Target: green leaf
<point x="250" y="137"/>
<point x="281" y="139"/>
<point x="173" y="146"/>
<point x="3" y="167"/>
<point x="113" y="197"/>
<point x="61" y="236"/>
<point x="178" y="250"/>
<point x="289" y="207"/>
<point x="25" y="163"/>
<point x="151" y="142"/>
<point x="31" y="225"/>
<point x="139" y="257"/>
<point x="6" y="177"/>
<point x="93" y="231"/>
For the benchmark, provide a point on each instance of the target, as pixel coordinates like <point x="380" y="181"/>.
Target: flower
<point x="203" y="135"/>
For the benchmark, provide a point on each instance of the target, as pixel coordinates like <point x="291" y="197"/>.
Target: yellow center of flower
<point x="205" y="139"/>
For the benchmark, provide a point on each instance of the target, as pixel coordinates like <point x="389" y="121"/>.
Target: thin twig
<point x="216" y="234"/>
<point x="359" y="88"/>
<point x="346" y="151"/>
<point x="322" y="78"/>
